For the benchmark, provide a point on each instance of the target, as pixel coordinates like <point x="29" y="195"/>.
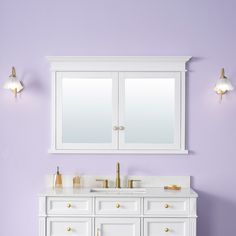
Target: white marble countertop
<point x="150" y="192"/>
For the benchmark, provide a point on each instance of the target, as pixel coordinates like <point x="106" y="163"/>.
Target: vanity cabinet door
<point x="117" y="227"/>
<point x="86" y="110"/>
<point x="166" y="226"/>
<point x="69" y="226"/>
<point x="149" y="110"/>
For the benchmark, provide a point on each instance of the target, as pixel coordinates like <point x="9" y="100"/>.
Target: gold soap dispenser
<point x="58" y="179"/>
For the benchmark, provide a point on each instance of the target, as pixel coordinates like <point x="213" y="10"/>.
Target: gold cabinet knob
<point x="69" y="205"/>
<point x="68" y="229"/>
<point x="117" y="205"/>
<point x="121" y="128"/>
<point x="166" y="205"/>
<point x="166" y="230"/>
<point x="115" y="127"/>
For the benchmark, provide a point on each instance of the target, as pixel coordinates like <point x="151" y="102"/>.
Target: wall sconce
<point x="13" y="83"/>
<point x="223" y="85"/>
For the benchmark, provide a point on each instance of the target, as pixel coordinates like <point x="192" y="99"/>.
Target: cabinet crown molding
<point x="119" y="63"/>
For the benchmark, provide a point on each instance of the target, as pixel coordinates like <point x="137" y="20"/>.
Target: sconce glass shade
<point x="12" y="83"/>
<point x="223" y="84"/>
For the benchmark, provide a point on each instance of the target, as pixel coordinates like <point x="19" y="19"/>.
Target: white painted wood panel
<point x="166" y="206"/>
<point x="69" y="226"/>
<point x="117" y="226"/>
<point x="42" y="226"/>
<point x="69" y="206"/>
<point x="118" y="206"/>
<point x="166" y="226"/>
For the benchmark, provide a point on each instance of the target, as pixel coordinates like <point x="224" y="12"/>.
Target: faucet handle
<point x="131" y="182"/>
<point x="104" y="182"/>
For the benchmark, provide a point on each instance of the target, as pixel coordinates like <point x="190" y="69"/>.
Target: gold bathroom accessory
<point x="172" y="187"/>
<point x="58" y="179"/>
<point x="118" y="175"/>
<point x="104" y="182"/>
<point x="76" y="182"/>
<point x="131" y="182"/>
<point x="117" y="205"/>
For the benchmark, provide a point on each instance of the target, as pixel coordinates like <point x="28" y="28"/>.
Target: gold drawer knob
<point x="166" y="205"/>
<point x="68" y="229"/>
<point x="117" y="205"/>
<point x="166" y="230"/>
<point x="69" y="205"/>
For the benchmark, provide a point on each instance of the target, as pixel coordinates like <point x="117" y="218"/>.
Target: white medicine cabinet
<point x="118" y="104"/>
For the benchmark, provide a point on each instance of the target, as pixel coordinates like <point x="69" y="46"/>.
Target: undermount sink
<point x="118" y="190"/>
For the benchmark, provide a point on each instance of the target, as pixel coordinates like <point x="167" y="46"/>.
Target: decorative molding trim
<point x="193" y="227"/>
<point x="42" y="226"/>
<point x="118" y="58"/>
<point x="170" y="152"/>
<point x="42" y="206"/>
<point x="123" y="63"/>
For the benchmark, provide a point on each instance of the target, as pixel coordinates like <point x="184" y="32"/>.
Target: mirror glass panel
<point x="86" y="110"/>
<point x="149" y="110"/>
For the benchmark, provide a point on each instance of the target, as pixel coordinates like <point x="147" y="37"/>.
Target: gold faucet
<point x="118" y="175"/>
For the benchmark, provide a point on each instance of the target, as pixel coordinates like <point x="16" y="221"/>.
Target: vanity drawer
<point x="166" y="206"/>
<point x="69" y="226"/>
<point x="117" y="206"/>
<point x="69" y="206"/>
<point x="167" y="226"/>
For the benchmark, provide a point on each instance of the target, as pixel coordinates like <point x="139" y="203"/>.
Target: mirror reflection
<point x="149" y="110"/>
<point x="86" y="110"/>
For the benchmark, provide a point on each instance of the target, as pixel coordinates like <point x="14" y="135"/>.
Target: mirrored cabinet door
<point x="86" y="110"/>
<point x="149" y="110"/>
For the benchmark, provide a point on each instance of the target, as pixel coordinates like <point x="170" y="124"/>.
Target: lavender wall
<point x="30" y="30"/>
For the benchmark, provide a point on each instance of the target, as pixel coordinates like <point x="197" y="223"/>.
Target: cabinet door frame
<point x="58" y="103"/>
<point x="136" y="222"/>
<point x="177" y="122"/>
<point x="59" y="64"/>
